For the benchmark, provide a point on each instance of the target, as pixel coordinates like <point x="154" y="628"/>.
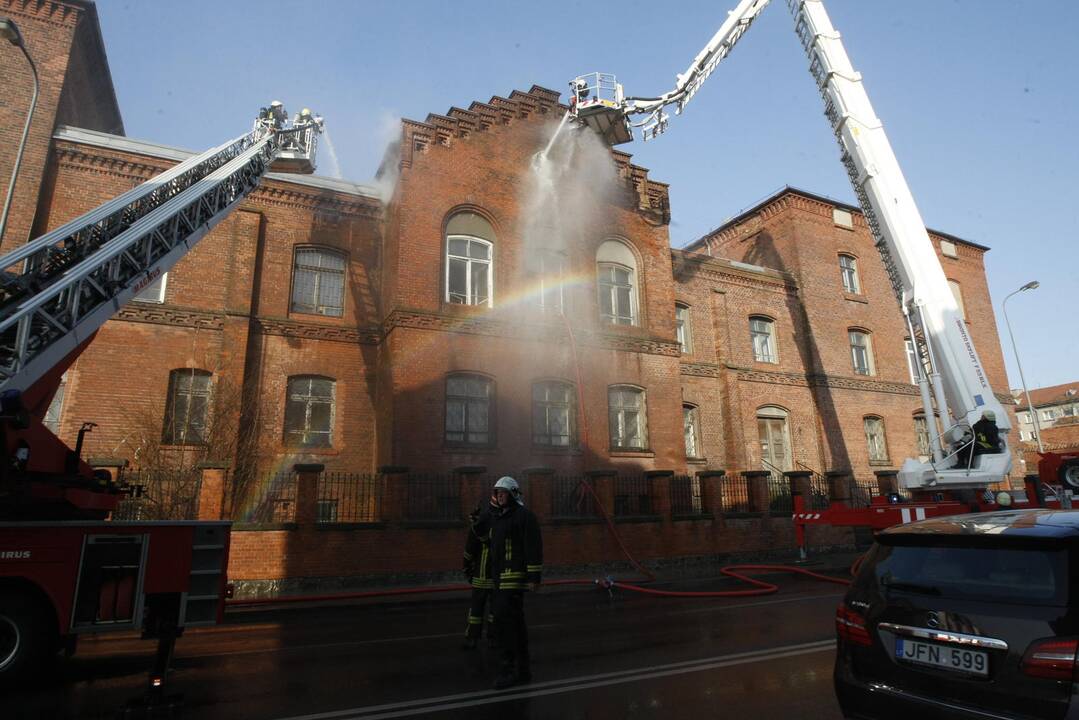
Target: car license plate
<point x="974" y="662"/>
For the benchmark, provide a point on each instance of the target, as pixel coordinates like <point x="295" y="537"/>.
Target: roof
<point x="167" y="152"/>
<point x="788" y="189"/>
<point x="1053" y="395"/>
<point x="1011" y="523"/>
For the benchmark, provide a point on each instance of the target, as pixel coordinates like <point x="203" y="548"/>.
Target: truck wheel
<point x="1069" y="474"/>
<point x="24" y="638"/>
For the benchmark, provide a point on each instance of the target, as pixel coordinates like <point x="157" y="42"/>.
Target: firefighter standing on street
<point x="477" y="568"/>
<point x="516" y="565"/>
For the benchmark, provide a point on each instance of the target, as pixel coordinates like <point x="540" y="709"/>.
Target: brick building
<point x="431" y="334"/>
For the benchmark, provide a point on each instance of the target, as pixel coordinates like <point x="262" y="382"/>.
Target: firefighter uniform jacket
<point x="477" y="559"/>
<point x="516" y="548"/>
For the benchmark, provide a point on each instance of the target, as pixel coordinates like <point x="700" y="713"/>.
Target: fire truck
<point x="66" y="568"/>
<point x="952" y="383"/>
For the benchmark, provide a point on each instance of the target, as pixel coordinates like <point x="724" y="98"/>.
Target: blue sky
<point x="978" y="98"/>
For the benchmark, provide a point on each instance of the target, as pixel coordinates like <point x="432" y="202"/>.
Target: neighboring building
<point x="321" y="325"/>
<point x="1056" y="405"/>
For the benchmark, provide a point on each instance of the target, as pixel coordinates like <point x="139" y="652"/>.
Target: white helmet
<point x="510" y="485"/>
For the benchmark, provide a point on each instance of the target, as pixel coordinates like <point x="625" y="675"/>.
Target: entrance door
<point x="775" y="439"/>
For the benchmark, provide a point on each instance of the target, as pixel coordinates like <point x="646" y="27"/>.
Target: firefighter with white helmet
<point x="516" y="566"/>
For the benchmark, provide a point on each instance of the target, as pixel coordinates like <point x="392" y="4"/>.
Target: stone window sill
<point x="853" y="297"/>
<point x="632" y="453"/>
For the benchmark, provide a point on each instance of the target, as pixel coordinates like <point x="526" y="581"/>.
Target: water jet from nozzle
<point x="539" y="158"/>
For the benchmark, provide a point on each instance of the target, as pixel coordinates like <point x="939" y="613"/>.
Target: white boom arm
<point x="956" y="385"/>
<point x="57" y="290"/>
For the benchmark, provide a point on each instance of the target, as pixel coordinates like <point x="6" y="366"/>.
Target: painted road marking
<point x="553" y="687"/>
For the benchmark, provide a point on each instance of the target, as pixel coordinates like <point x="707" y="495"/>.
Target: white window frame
<point x="467" y="401"/>
<point x="551" y="270"/>
<point x="321" y="275"/>
<point x="611" y="287"/>
<point x="542" y="437"/>
<point x="620" y="423"/>
<point x="869" y="439"/>
<point x="186" y="432"/>
<point x="912" y="360"/>
<point x="154" y="292"/>
<point x="921" y="431"/>
<point x="681" y="327"/>
<point x="870" y="368"/>
<point x="469" y="261"/>
<point x="849" y="275"/>
<point x="691" y="428"/>
<point x="957" y="293"/>
<point x="309" y="400"/>
<point x="770" y="334"/>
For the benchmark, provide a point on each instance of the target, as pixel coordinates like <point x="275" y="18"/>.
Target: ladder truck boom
<point x="952" y="383"/>
<point x="59" y="289"/>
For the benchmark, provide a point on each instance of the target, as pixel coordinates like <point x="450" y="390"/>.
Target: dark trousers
<point x="480" y="598"/>
<point x="509" y="608"/>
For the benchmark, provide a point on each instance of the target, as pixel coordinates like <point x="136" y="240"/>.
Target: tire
<point x="25" y="638"/>
<point x="1069" y="474"/>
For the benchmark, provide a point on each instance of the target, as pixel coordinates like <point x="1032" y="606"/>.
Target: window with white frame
<point x="1026" y="435"/>
<point x="912" y="360"/>
<point x="627" y="418"/>
<point x="921" y="437"/>
<point x="1047" y="414"/>
<point x="681" y="326"/>
<point x="309" y="411"/>
<point x="155" y="291"/>
<point x="691" y="431"/>
<point x="1023" y="417"/>
<point x="875" y="440"/>
<point x="318" y="282"/>
<point x="469" y="260"/>
<point x="56" y="407"/>
<point x="848" y="270"/>
<point x="616" y="270"/>
<point x="187" y="407"/>
<point x="762" y="332"/>
<point x="554" y="416"/>
<point x="468" y="410"/>
<point x="861" y="352"/>
<point x="550" y="266"/>
<point x="957" y="293"/>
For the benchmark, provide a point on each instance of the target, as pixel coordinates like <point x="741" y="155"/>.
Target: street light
<point x="10" y="31"/>
<point x="1032" y="285"/>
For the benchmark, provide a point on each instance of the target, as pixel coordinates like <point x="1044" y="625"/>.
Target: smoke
<point x="567" y="196"/>
<point x="388" y="135"/>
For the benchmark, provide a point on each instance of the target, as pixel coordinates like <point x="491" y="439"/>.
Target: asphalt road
<point x="594" y="656"/>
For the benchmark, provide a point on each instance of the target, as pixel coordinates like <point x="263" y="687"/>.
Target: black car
<point x="968" y="616"/>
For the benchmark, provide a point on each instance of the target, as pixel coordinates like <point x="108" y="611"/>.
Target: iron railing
<point x="633" y="496"/>
<point x="348" y="498"/>
<point x="161" y="495"/>
<point x="432" y="497"/>
<point x="862" y="492"/>
<point x="686" y="495"/>
<point x="734" y="494"/>
<point x="572" y="498"/>
<point x="779" y="494"/>
<point x="272" y="502"/>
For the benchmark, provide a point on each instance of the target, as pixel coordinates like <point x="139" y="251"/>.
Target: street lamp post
<point x="1032" y="285"/>
<point x="9" y="31"/>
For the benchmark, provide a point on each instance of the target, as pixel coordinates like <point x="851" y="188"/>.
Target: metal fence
<point x="734" y="494"/>
<point x="432" y="497"/>
<point x="161" y="495"/>
<point x="819" y="493"/>
<point x="348" y="498"/>
<point x="686" y="495"/>
<point x="862" y="493"/>
<point x="571" y="498"/>
<point x="272" y="502"/>
<point x="779" y="494"/>
<point x="633" y="496"/>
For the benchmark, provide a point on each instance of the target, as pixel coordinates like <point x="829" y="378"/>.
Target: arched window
<point x="309" y="411"/>
<point x="848" y="270"/>
<point x="773" y="432"/>
<point x="616" y="268"/>
<point x="554" y="414"/>
<point x="681" y="326"/>
<point x="318" y="282"/>
<point x="187" y="407"/>
<point x="627" y="418"/>
<point x="861" y="351"/>
<point x="762" y="332"/>
<point x="469" y="260"/>
<point x="875" y="439"/>
<point x="469" y="400"/>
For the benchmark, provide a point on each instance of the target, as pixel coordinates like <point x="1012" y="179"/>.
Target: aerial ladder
<point x="65" y="568"/>
<point x="952" y="382"/>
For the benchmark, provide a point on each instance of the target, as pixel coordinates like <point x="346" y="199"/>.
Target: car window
<point x="1035" y="576"/>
